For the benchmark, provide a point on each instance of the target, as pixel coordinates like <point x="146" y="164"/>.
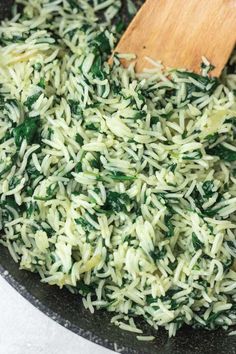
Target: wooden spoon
<point x="180" y="32"/>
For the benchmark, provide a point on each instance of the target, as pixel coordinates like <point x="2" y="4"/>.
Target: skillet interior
<point x="68" y="310"/>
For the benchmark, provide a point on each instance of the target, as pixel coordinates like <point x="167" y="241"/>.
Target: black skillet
<point x="68" y="310"/>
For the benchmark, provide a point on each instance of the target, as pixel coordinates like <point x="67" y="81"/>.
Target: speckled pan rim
<point x="89" y="335"/>
<point x="188" y="342"/>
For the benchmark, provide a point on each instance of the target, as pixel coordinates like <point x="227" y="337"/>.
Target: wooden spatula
<point x="180" y="32"/>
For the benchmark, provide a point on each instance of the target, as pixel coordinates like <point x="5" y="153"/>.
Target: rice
<point x="119" y="186"/>
<point x="146" y="338"/>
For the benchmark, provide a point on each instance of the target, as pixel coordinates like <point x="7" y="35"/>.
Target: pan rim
<point x="56" y="317"/>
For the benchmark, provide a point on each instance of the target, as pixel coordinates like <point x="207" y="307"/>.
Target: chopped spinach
<point x="84" y="27"/>
<point x="139" y="115"/>
<point x="209" y="83"/>
<point x="120" y="26"/>
<point x="158" y="254"/>
<point x="232" y="245"/>
<point x="12" y="102"/>
<point x="8" y="167"/>
<point x="6" y="206"/>
<point x="96" y="162"/>
<point x="32" y="99"/>
<point x="50" y="133"/>
<point x="203" y="283"/>
<point x="150" y="300"/>
<point x="168" y="297"/>
<point x="96" y="68"/>
<point x="166" y="115"/>
<point x="101" y="42"/>
<point x="48" y="229"/>
<point x="14" y="181"/>
<point x="206" y="256"/>
<point x="84" y="288"/>
<point x="173" y="265"/>
<point x="116" y="202"/>
<point x="14" y="39"/>
<point x="197" y="244"/>
<point x="71" y="33"/>
<point x="74" y="5"/>
<point x="212" y="138"/>
<point x="213" y="320"/>
<point x="120" y="176"/>
<point x="84" y="224"/>
<point x="41" y="83"/>
<point x="75" y="108"/>
<point x="127" y="239"/>
<point x="32" y="208"/>
<point x="195" y="155"/>
<point x="32" y="172"/>
<point x="228" y="263"/>
<point x="2" y="101"/>
<point x="79" y="139"/>
<point x="169" y="224"/>
<point x="92" y="126"/>
<point x="116" y="87"/>
<point x="154" y="120"/>
<point x="78" y="167"/>
<point x="172" y="167"/>
<point x="208" y="188"/>
<point x="28" y="130"/>
<point x="7" y="136"/>
<point x="222" y="152"/>
<point x="50" y="193"/>
<point x="199" y="200"/>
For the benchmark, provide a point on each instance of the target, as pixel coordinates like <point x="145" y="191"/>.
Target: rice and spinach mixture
<point x="121" y="187"/>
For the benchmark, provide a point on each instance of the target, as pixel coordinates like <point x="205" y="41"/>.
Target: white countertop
<point x="26" y="330"/>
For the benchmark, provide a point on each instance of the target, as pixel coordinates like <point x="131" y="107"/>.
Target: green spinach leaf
<point x="28" y="130"/>
<point x="197" y="244"/>
<point x="222" y="152"/>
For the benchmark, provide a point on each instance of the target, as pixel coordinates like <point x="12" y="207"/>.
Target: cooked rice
<point x="121" y="187"/>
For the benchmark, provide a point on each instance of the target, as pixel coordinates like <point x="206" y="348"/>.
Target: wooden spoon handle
<point x="180" y="32"/>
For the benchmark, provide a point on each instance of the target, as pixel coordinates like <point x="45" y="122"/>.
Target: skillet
<point x="67" y="309"/>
